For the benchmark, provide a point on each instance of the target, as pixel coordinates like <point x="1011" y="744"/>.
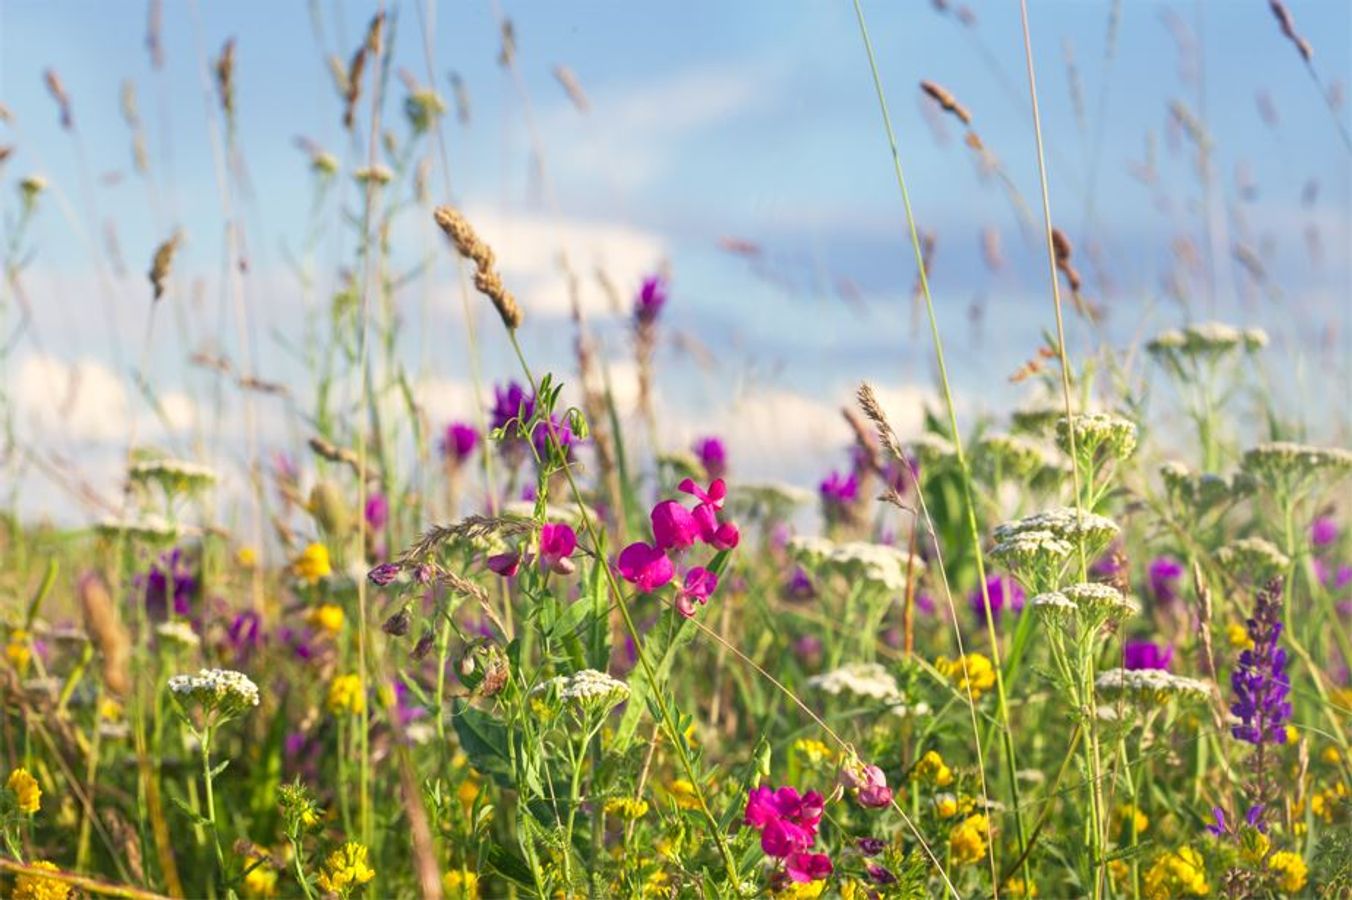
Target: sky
<point x="708" y="125"/>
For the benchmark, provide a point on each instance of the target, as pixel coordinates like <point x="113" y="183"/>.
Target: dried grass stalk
<point x="1289" y="29"/>
<point x="573" y="88"/>
<point x="107" y="632"/>
<point x="162" y="263"/>
<point x="58" y="91"/>
<point x="486" y="278"/>
<point x="945" y="99"/>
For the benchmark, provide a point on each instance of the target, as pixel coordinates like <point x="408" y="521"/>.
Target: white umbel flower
<point x="222" y="691"/>
<point x="866" y="681"/>
<point x="178" y="632"/>
<point x="1150" y="687"/>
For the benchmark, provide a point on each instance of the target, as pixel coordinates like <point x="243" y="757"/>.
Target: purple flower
<point x="459" y="443"/>
<point x="652" y="296"/>
<point x="510" y="402"/>
<point x="1260" y="681"/>
<point x="384" y="574"/>
<point x="169" y="578"/>
<point x="1003" y="592"/>
<point x="244" y="634"/>
<point x="1148" y="655"/>
<point x="871" y="846"/>
<point x="713" y="456"/>
<point x="1323" y="531"/>
<point x="799" y="585"/>
<point x="557" y="543"/>
<point x="1164" y="573"/>
<point x="377" y="511"/>
<point x="838" y="493"/>
<point x="880" y="874"/>
<point x="808" y="649"/>
<point x="924" y="603"/>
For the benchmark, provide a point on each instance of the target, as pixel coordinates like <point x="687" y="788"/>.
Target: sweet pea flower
<point x="1147" y="655"/>
<point x="652" y="296"/>
<point x="459" y="442"/>
<point x="1323" y="531"/>
<point x="674" y="527"/>
<point x="377" y="511"/>
<point x="557" y="543"/>
<point x="805" y="867"/>
<point x="869" y="784"/>
<point x="505" y="564"/>
<point x="714" y="496"/>
<point x="700" y="583"/>
<point x="645" y="566"/>
<point x="713" y="456"/>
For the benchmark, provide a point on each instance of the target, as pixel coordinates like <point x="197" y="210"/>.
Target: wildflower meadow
<point x="903" y="454"/>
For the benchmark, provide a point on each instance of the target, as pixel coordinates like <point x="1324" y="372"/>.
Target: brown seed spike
<point x="163" y="262"/>
<point x="107" y="632"/>
<point x="1061" y="246"/>
<point x="945" y="99"/>
<point x="1289" y="29"/>
<point x="58" y="92"/>
<point x="486" y="278"/>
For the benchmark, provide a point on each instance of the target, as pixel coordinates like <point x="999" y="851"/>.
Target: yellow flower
<point x="802" y="890"/>
<point x="327" y="617"/>
<point x="1238" y="636"/>
<point x="945" y="806"/>
<point x="313" y="564"/>
<point x="110" y="710"/>
<point x="1176" y="875"/>
<point x="1253" y="846"/>
<point x="35" y="887"/>
<point x="971" y="670"/>
<point x="345" y="695"/>
<point x="26" y="790"/>
<point x="814" y="752"/>
<point x="345" y="869"/>
<point x="1120" y="873"/>
<point x="1330" y="755"/>
<point x="655" y="885"/>
<point x="18" y="652"/>
<point x="246" y="557"/>
<point x="1291" y="870"/>
<point x="1292" y="735"/>
<point x="932" y="769"/>
<point x="683" y="792"/>
<point x="967" y="841"/>
<point x="1015" y="887"/>
<point x="261" y="880"/>
<point x="460" y="884"/>
<point x="628" y="808"/>
<point x="1131" y="816"/>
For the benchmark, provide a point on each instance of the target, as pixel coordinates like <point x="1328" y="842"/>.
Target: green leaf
<point x="484" y="740"/>
<point x="661" y="646"/>
<point x="218" y="769"/>
<point x="510" y="866"/>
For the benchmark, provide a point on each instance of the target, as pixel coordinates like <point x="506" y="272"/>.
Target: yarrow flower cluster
<point x="675" y="530"/>
<point x="1287" y="465"/>
<point x="1205" y="339"/>
<point x="1097" y="433"/>
<point x="1010" y="455"/>
<point x="178" y="632"/>
<point x="1150" y="687"/>
<point x="174" y="476"/>
<point x="787" y="822"/>
<point x="880" y="565"/>
<point x="1256" y="557"/>
<point x="1200" y="492"/>
<point x="1260" y="681"/>
<point x="224" y="692"/>
<point x="588" y="690"/>
<point x="866" y="681"/>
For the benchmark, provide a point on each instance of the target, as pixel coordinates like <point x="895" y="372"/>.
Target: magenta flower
<point x="700" y="583"/>
<point x="1004" y="592"/>
<point x="713" y="456"/>
<point x="1323" y="531"/>
<point x="459" y="442"/>
<point x="645" y="566"/>
<point x="839" y="490"/>
<point x="674" y="527"/>
<point x="1164" y="573"/>
<point x="557" y="543"/>
<point x="652" y="296"/>
<point x="808" y="866"/>
<point x="714" y="496"/>
<point x="510" y="402"/>
<point x="384" y="574"/>
<point x="788" y="824"/>
<point x="505" y="564"/>
<point x="377" y="511"/>
<point x="1147" y="655"/>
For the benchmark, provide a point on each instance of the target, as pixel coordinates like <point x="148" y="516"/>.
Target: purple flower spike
<point x="1260" y="682"/>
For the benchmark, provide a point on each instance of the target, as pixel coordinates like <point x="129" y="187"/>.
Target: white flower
<point x="178" y="632"/>
<point x="866" y="681"/>
<point x="150" y="527"/>
<point x="1100" y="603"/>
<point x="1054" y="607"/>
<point x="588" y="689"/>
<point x="1098" y="430"/>
<point x="1254" y="555"/>
<point x="1151" y="686"/>
<point x="218" y="690"/>
<point x="1062" y="522"/>
<point x="879" y="564"/>
<point x="171" y="469"/>
<point x="1255" y="338"/>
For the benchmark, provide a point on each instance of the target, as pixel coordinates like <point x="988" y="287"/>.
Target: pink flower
<point x="783" y="836"/>
<point x="808" y="866"/>
<point x="723" y="536"/>
<point x="700" y="583"/>
<point x="673" y="526"/>
<point x="714" y="496"/>
<point x="787" y="821"/>
<point x="557" y="543"/>
<point x="505" y="564"/>
<point x="645" y="566"/>
<point x="869" y="784"/>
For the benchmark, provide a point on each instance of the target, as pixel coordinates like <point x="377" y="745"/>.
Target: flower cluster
<point x="1150" y="687"/>
<point x="174" y="476"/>
<point x="1179" y="873"/>
<point x="221" y="691"/>
<point x="1260" y="681"/>
<point x="346" y="868"/>
<point x="1203" y="491"/>
<point x="512" y="406"/>
<point x="676" y="529"/>
<point x="1205" y="340"/>
<point x="787" y="822"/>
<point x="24" y="787"/>
<point x="1097" y="434"/>
<point x="588" y="689"/>
<point x="867" y="783"/>
<point x="970" y="672"/>
<point x="881" y="566"/>
<point x="1256" y="557"/>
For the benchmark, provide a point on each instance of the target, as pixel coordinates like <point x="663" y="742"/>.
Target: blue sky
<point x="708" y="120"/>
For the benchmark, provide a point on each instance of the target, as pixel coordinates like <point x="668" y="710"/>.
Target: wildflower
<point x="28" y="886"/>
<point x="967" y="840"/>
<point x="1256" y="557"/>
<point x="1095" y="432"/>
<point x="345" y="868"/>
<point x="384" y="574"/>
<point x="377" y="511"/>
<point x="178" y="632"/>
<point x="1176" y="874"/>
<point x="169" y="578"/>
<point x="838" y="493"/>
<point x="645" y="566"/>
<point x="1017" y="887"/>
<point x="970" y="672"/>
<point x="945" y="806"/>
<point x="298" y="806"/>
<point x="346" y="696"/>
<point x="246" y="557"/>
<point x="1150" y="687"/>
<point x="674" y="526"/>
<point x="870" y="846"/>
<point x="868" y="783"/>
<point x="1100" y="604"/>
<point x="788" y="824"/>
<point x="932" y="769"/>
<point x="17" y="650"/>
<point x="24" y="787"/>
<point x="652" y="296"/>
<point x="1147" y="655"/>
<point x="459" y="442"/>
<point x="223" y="692"/>
<point x="1260" y="681"/>
<point x="1324" y="531"/>
<point x="174" y="476"/>
<point x="460" y="884"/>
<point x="505" y="564"/>
<point x="682" y="792"/>
<point x="1290" y="869"/>
<point x="1164" y="573"/>
<point x="865" y="681"/>
<point x="557" y="543"/>
<point x="700" y="583"/>
<point x="713" y="456"/>
<point x="327" y="617"/>
<point x="724" y="536"/>
<point x="260" y="879"/>
<point x="313" y="564"/>
<point x="1002" y="591"/>
<point x="1133" y="821"/>
<point x="813" y="752"/>
<point x="1238" y="636"/>
<point x="626" y="808"/>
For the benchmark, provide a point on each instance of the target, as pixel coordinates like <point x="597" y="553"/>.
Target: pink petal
<point x="645" y="566"/>
<point x="700" y="583"/>
<point x="674" y="527"/>
<point x="505" y="564"/>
